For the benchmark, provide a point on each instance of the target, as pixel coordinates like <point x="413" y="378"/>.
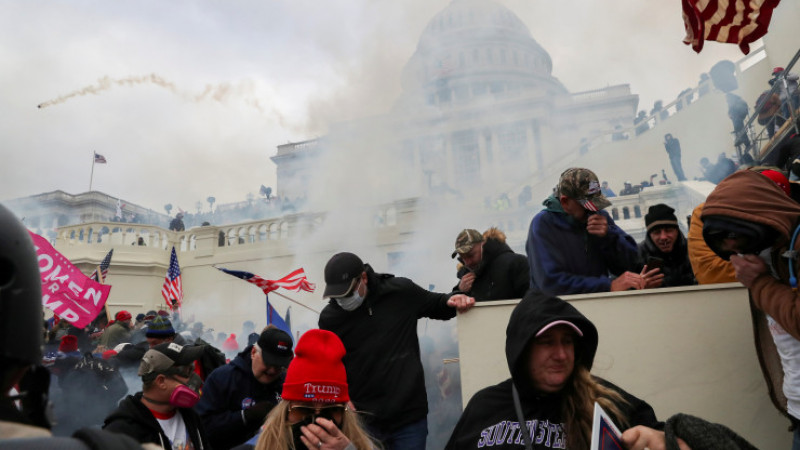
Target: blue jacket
<point x="229" y="390"/>
<point x="565" y="259"/>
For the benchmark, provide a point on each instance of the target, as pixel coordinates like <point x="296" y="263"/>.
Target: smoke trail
<point x="222" y="93"/>
<point x="106" y="83"/>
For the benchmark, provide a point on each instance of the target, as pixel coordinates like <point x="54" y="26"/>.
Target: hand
<point x="597" y="225"/>
<point x="748" y="268"/>
<point x="256" y="414"/>
<point x="627" y="281"/>
<point x="323" y="435"/>
<point x="641" y="437"/>
<point x="652" y="278"/>
<point x="461" y="302"/>
<point x="465" y="285"/>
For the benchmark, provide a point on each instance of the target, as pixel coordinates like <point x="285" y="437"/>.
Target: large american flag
<point x="172" y="291"/>
<point x="730" y="21"/>
<point x="295" y="281"/>
<point x="99" y="159"/>
<point x="103" y="267"/>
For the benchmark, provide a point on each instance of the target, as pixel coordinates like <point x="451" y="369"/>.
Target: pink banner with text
<point x="66" y="291"/>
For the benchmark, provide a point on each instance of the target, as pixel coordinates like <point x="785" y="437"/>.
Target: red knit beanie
<point x="69" y="343"/>
<point x="316" y="374"/>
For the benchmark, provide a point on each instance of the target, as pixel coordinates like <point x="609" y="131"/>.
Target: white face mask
<point x="352" y="301"/>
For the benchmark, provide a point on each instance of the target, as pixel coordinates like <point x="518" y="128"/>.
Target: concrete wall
<point x="685" y="350"/>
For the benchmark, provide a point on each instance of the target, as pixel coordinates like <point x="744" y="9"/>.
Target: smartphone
<point x="654" y="262"/>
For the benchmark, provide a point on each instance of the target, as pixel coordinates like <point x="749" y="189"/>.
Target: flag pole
<point x="91" y="177"/>
<point x="294" y="301"/>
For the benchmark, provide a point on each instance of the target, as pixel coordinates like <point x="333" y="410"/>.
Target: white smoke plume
<point x="243" y="91"/>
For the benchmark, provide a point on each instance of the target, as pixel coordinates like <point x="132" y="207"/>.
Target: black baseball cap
<point x="340" y="273"/>
<point x="276" y="347"/>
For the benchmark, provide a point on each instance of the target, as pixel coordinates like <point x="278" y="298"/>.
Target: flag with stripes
<point x="103" y="267"/>
<point x="295" y="281"/>
<point x="172" y="291"/>
<point x="99" y="159"/>
<point x="729" y="21"/>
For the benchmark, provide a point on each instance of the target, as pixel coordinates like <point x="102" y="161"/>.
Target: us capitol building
<point x="480" y="122"/>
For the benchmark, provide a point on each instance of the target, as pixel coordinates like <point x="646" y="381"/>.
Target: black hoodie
<point x="490" y="420"/>
<point x="134" y="419"/>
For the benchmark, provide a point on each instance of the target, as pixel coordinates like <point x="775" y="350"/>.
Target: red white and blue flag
<point x="730" y="21"/>
<point x="103" y="267"/>
<point x="172" y="291"/>
<point x="295" y="281"/>
<point x="99" y="159"/>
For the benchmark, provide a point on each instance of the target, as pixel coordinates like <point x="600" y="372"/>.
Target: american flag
<point x="103" y="267"/>
<point x="99" y="159"/>
<point x="295" y="281"/>
<point x="730" y="21"/>
<point x="172" y="291"/>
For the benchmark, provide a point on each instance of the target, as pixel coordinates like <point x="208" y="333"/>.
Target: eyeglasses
<point x="299" y="413"/>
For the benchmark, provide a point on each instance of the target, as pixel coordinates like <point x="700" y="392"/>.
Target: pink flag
<point x="66" y="291"/>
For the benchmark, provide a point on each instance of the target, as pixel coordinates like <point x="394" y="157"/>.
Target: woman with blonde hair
<point x="314" y="411"/>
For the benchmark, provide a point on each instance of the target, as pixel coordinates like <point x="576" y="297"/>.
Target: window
<point x="466" y="157"/>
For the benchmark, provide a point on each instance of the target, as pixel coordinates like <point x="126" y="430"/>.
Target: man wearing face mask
<point x="375" y="315"/>
<point x="162" y="412"/>
<point x="751" y="221"/>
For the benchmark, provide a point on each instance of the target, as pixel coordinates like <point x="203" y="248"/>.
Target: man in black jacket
<point x="162" y="412"/>
<point x="666" y="247"/>
<point x="490" y="269"/>
<point x="238" y="396"/>
<point x="375" y="316"/>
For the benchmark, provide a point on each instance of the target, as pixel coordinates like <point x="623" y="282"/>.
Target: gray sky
<point x="232" y="80"/>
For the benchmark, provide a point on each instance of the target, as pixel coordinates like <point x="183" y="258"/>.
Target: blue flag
<point x="273" y="318"/>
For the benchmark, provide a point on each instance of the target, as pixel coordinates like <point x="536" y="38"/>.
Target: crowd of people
<point x="358" y="381"/>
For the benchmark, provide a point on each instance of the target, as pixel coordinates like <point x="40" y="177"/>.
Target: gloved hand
<point x="256" y="414"/>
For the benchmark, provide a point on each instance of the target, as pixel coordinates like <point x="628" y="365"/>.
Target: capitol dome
<point x="474" y="47"/>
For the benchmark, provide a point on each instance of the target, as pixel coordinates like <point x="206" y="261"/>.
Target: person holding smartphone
<point x="665" y="248"/>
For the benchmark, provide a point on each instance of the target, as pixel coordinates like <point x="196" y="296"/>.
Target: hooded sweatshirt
<point x="565" y="259"/>
<point x="134" y="419"/>
<point x="490" y="419"/>
<point x="750" y="196"/>
<point x="502" y="274"/>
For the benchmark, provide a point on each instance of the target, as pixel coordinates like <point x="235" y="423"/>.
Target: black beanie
<point x="660" y="215"/>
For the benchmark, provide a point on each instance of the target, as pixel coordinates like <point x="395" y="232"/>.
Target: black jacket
<point x="677" y="269"/>
<point x="384" y="371"/>
<point x="490" y="419"/>
<point x="229" y="390"/>
<point x="132" y="418"/>
<point x="502" y="275"/>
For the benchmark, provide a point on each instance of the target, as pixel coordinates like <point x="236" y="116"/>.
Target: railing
<point x="240" y="234"/>
<point x="116" y="233"/>
<point x="770" y="140"/>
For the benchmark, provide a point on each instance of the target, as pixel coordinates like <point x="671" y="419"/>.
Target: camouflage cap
<point x="582" y="185"/>
<point x="466" y="240"/>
